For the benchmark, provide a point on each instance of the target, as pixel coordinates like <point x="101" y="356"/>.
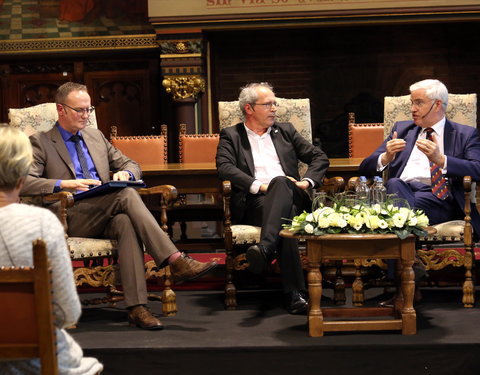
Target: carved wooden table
<point x="351" y="247"/>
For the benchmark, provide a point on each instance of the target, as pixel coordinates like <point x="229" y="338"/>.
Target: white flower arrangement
<point x="360" y="218"/>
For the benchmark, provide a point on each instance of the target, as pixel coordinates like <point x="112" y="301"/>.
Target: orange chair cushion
<point x="364" y="139"/>
<point x="144" y="150"/>
<point x="198" y="149"/>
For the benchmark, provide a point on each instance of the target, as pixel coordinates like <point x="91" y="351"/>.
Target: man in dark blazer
<point x="407" y="154"/>
<point x="260" y="158"/>
<point x="73" y="157"/>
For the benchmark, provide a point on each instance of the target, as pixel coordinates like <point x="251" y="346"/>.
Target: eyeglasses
<point x="268" y="105"/>
<point x="81" y="111"/>
<point x="419" y="103"/>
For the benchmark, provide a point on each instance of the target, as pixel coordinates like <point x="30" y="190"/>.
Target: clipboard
<point x="107" y="188"/>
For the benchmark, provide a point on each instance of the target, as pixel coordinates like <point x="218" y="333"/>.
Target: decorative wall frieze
<point x="125" y="42"/>
<point x="179" y="48"/>
<point x="183" y="87"/>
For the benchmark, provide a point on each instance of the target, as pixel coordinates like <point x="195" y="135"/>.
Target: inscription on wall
<point x="169" y="8"/>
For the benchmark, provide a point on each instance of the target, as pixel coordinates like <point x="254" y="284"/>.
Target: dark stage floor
<point x="261" y="338"/>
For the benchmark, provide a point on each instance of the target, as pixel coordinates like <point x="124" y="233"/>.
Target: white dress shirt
<point x="265" y="159"/>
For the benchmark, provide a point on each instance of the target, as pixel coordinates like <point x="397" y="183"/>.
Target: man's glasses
<point x="81" y="111"/>
<point x="268" y="105"/>
<point x="419" y="103"/>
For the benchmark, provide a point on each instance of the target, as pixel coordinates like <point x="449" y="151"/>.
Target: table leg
<point x="409" y="317"/>
<point x="315" y="316"/>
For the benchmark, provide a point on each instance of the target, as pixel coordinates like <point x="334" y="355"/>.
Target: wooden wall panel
<point x="123" y="99"/>
<point x="26" y="90"/>
<point x="345" y="69"/>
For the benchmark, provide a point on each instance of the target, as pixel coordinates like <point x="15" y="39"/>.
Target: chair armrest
<point x="166" y="195"/>
<point x="64" y="197"/>
<point x="332" y="185"/>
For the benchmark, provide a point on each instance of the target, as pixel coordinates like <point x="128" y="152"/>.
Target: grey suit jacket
<point x="235" y="160"/>
<point x="52" y="161"/>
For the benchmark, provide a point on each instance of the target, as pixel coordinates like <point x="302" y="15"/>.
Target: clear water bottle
<point x="362" y="191"/>
<point x="379" y="192"/>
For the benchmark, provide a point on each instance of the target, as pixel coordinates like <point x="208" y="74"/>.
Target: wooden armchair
<point x="462" y="108"/>
<point x="239" y="237"/>
<point x="26" y="316"/>
<point x="98" y="256"/>
<point x="197" y="148"/>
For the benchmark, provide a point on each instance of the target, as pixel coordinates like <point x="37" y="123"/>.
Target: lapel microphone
<point x="429" y="110"/>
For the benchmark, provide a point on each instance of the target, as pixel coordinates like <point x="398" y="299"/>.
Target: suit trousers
<point x="420" y="196"/>
<point x="123" y="216"/>
<point x="283" y="200"/>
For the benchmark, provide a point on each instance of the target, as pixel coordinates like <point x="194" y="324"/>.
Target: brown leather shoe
<point x="185" y="268"/>
<point x="141" y="317"/>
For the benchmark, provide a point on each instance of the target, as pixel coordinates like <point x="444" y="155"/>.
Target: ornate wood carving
<point x="183" y="87"/>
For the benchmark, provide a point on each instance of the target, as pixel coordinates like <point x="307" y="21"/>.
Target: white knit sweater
<point x="19" y="225"/>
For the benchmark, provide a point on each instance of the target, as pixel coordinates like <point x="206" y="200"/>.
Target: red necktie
<point x="439" y="184"/>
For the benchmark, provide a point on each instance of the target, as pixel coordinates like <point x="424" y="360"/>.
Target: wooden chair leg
<point x="169" y="299"/>
<point x="468" y="289"/>
<point x="230" y="289"/>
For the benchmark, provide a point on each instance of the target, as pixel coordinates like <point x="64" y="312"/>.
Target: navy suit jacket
<point x="235" y="160"/>
<point x="461" y="146"/>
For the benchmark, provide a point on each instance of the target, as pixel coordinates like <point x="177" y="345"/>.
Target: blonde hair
<point x="15" y="156"/>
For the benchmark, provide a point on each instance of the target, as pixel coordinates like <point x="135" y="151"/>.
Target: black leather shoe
<point x="296" y="302"/>
<point x="257" y="257"/>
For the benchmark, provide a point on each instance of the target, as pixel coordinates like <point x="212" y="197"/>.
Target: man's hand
<point x="393" y="146"/>
<point x="304" y="185"/>
<point x="263" y="188"/>
<point x="432" y="150"/>
<point x="121" y="176"/>
<point x="82" y="184"/>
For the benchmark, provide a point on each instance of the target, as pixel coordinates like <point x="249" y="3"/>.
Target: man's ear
<point x="248" y="108"/>
<point x="60" y="109"/>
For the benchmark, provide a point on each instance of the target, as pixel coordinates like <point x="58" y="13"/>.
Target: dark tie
<point x="81" y="156"/>
<point x="439" y="184"/>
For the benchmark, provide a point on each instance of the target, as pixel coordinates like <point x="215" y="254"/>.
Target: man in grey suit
<point x="73" y="157"/>
<point x="260" y="158"/>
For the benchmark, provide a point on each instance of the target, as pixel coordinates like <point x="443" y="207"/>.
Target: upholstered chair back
<point x="145" y="149"/>
<point x="363" y="139"/>
<point x="40" y="117"/>
<point x="462" y="108"/>
<point x="197" y="148"/>
<point x="295" y="111"/>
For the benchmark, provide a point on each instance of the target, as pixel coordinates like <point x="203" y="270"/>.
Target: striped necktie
<point x="439" y="183"/>
<point x="81" y="156"/>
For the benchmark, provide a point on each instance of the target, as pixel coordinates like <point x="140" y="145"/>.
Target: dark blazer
<point x="461" y="146"/>
<point x="235" y="160"/>
<point x="52" y="161"/>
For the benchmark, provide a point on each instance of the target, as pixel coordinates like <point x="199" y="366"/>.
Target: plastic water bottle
<point x="362" y="191"/>
<point x="379" y="192"/>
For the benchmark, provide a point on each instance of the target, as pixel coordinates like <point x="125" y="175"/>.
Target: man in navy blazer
<point x="407" y="154"/>
<point x="260" y="158"/>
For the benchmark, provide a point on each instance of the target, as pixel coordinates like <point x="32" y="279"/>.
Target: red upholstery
<point x="363" y="139"/>
<point x="149" y="149"/>
<point x="197" y="148"/>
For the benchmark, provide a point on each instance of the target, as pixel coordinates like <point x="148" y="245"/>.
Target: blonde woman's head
<point x="15" y="156"/>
